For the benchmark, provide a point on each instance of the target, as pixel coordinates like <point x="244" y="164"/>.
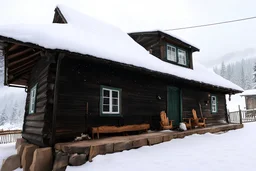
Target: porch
<point x="95" y="147"/>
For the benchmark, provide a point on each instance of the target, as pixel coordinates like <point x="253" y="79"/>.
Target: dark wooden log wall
<point x="191" y="100"/>
<point x="80" y="82"/>
<point x="37" y="126"/>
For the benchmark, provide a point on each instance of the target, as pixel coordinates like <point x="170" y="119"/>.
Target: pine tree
<point x="3" y="116"/>
<point x="242" y="78"/>
<point x="229" y="72"/>
<point x="15" y="114"/>
<point x="254" y="76"/>
<point x="223" y="70"/>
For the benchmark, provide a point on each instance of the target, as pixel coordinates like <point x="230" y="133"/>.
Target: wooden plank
<point x="13" y="55"/>
<point x="24" y="58"/>
<point x="22" y="67"/>
<point x="13" y="47"/>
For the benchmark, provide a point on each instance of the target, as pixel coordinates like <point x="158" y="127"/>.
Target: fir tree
<point x="223" y="70"/>
<point x="243" y="81"/>
<point x="254" y="76"/>
<point x="229" y="72"/>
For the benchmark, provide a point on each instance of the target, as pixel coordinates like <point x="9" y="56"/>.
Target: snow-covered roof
<point x="88" y="36"/>
<point x="167" y="33"/>
<point x="251" y="92"/>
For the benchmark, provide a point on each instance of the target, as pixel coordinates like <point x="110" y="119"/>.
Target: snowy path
<point x="6" y="150"/>
<point x="234" y="151"/>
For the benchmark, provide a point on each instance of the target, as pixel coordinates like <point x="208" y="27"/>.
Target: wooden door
<point x="174" y="105"/>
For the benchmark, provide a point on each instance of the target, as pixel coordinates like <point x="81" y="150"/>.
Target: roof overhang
<point x="168" y="37"/>
<point x="19" y="59"/>
<point x="30" y="51"/>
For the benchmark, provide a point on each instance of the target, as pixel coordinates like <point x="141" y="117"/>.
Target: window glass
<point x="105" y="93"/>
<point x="32" y="100"/>
<point x="214" y="104"/>
<point x="114" y="93"/>
<point x="171" y="53"/>
<point x="110" y="101"/>
<point x="182" y="57"/>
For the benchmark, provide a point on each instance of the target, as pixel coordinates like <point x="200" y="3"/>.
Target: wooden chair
<point x="188" y="122"/>
<point x="165" y="122"/>
<point x="200" y="122"/>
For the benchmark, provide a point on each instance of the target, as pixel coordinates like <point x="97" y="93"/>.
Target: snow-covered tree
<point x="229" y="72"/>
<point x="242" y="78"/>
<point x="254" y="76"/>
<point x="242" y="73"/>
<point x="3" y="116"/>
<point x="223" y="70"/>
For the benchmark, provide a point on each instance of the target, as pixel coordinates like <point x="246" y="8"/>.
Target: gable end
<point x="58" y="17"/>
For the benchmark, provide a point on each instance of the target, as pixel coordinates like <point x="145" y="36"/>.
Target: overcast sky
<point x="137" y="15"/>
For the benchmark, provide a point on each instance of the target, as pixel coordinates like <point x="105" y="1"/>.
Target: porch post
<point x="240" y="114"/>
<point x="56" y="94"/>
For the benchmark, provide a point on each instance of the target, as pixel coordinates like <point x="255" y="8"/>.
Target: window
<point x="214" y="106"/>
<point x="110" y="101"/>
<point x="171" y="53"/>
<point x="32" y="102"/>
<point x="176" y="55"/>
<point x="182" y="57"/>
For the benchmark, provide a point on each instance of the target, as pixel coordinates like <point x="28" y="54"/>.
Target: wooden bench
<point x="120" y="129"/>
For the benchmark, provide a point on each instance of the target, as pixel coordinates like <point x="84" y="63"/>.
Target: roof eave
<point x="223" y="89"/>
<point x="194" y="49"/>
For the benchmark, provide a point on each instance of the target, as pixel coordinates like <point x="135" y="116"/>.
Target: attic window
<point x="176" y="55"/>
<point x="182" y="57"/>
<point x="171" y="53"/>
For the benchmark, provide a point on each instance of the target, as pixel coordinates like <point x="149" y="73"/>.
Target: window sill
<point x="110" y="115"/>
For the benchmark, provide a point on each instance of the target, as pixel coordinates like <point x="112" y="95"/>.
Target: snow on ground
<point x="236" y="100"/>
<point x="6" y="150"/>
<point x="234" y="150"/>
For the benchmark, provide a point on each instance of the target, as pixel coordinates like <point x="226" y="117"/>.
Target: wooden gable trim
<point x="59" y="17"/>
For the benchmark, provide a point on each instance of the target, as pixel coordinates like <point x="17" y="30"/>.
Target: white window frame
<point x="214" y="103"/>
<point x="111" y="101"/>
<point x="32" y="100"/>
<point x="169" y="57"/>
<point x="181" y="52"/>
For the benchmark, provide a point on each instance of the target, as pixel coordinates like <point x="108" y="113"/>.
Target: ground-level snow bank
<point x="6" y="150"/>
<point x="234" y="150"/>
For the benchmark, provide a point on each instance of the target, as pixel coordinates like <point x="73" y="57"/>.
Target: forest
<point x="241" y="72"/>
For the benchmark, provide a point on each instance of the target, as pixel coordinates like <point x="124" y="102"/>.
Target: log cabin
<point x="250" y="99"/>
<point x="80" y="73"/>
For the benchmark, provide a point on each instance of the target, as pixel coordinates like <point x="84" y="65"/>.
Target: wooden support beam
<point x="21" y="67"/>
<point x="18" y="75"/>
<point x="13" y="47"/>
<point x="19" y="82"/>
<point x="56" y="96"/>
<point x="11" y="56"/>
<point x="28" y="57"/>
